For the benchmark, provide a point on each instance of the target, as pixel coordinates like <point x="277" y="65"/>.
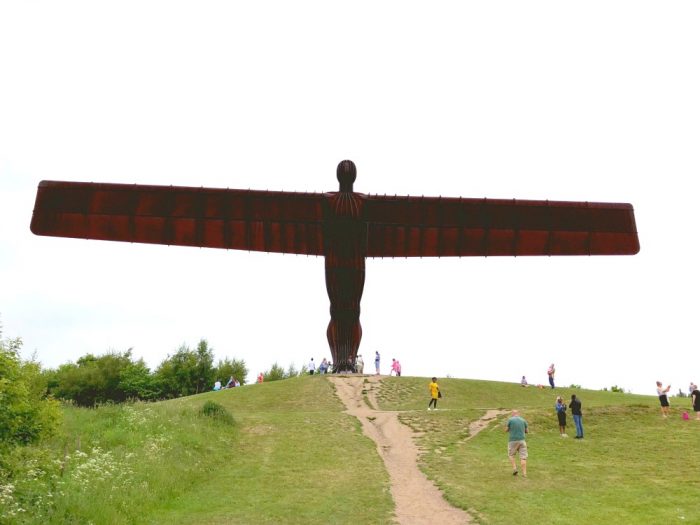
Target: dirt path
<point x="418" y="501"/>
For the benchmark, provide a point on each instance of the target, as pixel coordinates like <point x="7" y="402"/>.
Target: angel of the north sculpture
<point x="344" y="227"/>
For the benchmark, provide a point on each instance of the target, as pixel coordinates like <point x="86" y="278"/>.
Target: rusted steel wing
<point x="429" y="227"/>
<point x="274" y="221"/>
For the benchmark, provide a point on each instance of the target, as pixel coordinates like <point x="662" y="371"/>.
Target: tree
<point x="275" y="373"/>
<point x="137" y="382"/>
<point x="187" y="372"/>
<point x="93" y="379"/>
<point x="231" y="367"/>
<point x="292" y="371"/>
<point x="26" y="413"/>
<point x="204" y="367"/>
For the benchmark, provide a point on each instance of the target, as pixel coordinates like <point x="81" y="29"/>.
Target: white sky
<point x="553" y="100"/>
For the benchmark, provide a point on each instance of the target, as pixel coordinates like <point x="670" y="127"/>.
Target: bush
<point x="26" y="413"/>
<point x="216" y="411"/>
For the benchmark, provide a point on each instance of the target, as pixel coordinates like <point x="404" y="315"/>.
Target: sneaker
<point x="429" y="409"/>
<point x="515" y="473"/>
<point x="564" y="436"/>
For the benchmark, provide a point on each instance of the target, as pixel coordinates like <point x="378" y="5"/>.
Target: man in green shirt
<point x="517" y="428"/>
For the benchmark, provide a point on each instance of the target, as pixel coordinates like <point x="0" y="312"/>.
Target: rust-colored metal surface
<point x="345" y="227"/>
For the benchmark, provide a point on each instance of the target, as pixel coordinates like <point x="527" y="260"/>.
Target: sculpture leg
<point x="344" y="332"/>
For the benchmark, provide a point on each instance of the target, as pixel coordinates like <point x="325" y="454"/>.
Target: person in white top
<point x="663" y="397"/>
<point x="312" y="367"/>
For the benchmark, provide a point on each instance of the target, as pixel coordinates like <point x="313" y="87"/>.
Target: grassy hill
<point x="284" y="452"/>
<point x="633" y="467"/>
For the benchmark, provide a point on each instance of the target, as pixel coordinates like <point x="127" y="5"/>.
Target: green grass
<point x="632" y="466"/>
<point x="285" y="452"/>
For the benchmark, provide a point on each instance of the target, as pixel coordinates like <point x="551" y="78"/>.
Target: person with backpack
<point x="434" y="394"/>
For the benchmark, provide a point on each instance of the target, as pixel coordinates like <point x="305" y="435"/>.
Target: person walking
<point x="434" y="393"/>
<point x="575" y="407"/>
<point x="516" y="427"/>
<point x="560" y="407"/>
<point x="663" y="397"/>
<point x="312" y="367"/>
<point x="376" y="361"/>
<point x="550" y="375"/>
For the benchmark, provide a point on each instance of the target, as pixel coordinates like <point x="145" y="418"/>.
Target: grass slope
<point x="290" y="455"/>
<point x="631" y="467"/>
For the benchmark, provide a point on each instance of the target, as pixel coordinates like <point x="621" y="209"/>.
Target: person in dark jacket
<point x="575" y="407"/>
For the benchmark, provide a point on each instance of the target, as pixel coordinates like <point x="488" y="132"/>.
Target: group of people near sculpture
<point x="357" y="366"/>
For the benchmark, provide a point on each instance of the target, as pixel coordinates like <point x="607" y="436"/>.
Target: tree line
<point x="30" y="396"/>
<point x="116" y="377"/>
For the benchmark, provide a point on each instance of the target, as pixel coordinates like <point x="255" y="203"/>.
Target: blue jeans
<point x="579" y="426"/>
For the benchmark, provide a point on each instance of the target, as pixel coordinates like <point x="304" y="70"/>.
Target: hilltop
<point x="287" y="452"/>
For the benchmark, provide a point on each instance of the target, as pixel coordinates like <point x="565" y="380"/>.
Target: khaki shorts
<point x="517" y="446"/>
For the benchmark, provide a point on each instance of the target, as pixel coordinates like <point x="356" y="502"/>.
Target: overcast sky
<point x="594" y="101"/>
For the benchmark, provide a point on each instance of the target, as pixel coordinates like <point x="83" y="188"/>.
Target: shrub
<point x="216" y="411"/>
<point x="26" y="414"/>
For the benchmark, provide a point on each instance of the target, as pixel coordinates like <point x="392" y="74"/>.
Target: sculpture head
<point x="346" y="173"/>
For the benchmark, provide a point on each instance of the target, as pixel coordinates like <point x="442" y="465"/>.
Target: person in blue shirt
<point x="560" y="407"/>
